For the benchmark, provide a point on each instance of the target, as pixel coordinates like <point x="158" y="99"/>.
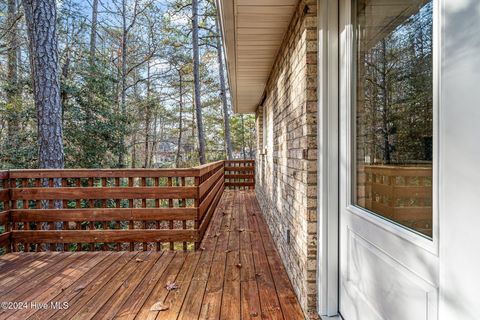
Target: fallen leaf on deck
<point x="254" y="314"/>
<point x="171" y="286"/>
<point x="241" y="230"/>
<point x="80" y="287"/>
<point x="138" y="260"/>
<point x="159" y="306"/>
<point x="239" y="265"/>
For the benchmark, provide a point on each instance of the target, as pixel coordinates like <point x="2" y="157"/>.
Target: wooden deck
<point x="236" y="274"/>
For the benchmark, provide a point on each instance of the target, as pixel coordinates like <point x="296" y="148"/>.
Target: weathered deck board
<point x="236" y="274"/>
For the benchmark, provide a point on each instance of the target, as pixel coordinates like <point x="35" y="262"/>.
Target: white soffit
<point x="253" y="31"/>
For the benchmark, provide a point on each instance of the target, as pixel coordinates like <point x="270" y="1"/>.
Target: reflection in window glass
<point x="394" y="111"/>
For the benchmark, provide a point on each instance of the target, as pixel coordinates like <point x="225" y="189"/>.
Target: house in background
<point x="367" y="150"/>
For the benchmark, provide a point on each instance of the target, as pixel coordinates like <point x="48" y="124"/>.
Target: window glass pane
<point x="394" y="111"/>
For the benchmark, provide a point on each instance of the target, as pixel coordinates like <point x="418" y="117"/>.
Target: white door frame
<point x="327" y="166"/>
<point x="334" y="49"/>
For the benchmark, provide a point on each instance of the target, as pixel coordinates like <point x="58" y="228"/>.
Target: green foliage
<point x="158" y="51"/>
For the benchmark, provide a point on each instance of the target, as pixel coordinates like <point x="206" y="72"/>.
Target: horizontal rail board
<point x="72" y="193"/>
<point x="208" y="199"/>
<point x="91" y="236"/>
<point x="239" y="176"/>
<point x="398" y="171"/>
<point x="4" y="195"/>
<point x="203" y="169"/>
<point x="102" y="173"/>
<point x="239" y="161"/>
<point x="4" y="175"/>
<point x="4" y="217"/>
<point x="5" y="236"/>
<point x="239" y="184"/>
<point x="103" y="214"/>
<point x="206" y="220"/>
<point x="206" y="185"/>
<point x="247" y="169"/>
<point x="402" y="191"/>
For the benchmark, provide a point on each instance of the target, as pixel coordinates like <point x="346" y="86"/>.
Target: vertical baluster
<point x="144" y="205"/>
<point x="65" y="206"/>
<point x="183" y="204"/>
<point x="130" y="205"/>
<point x="13" y="185"/>
<point x="78" y="205"/>
<point x="117" y="205"/>
<point x="170" y="205"/>
<point x="197" y="205"/>
<point x="91" y="204"/>
<point x="26" y="206"/>
<point x="157" y="205"/>
<point x="51" y="205"/>
<point x="104" y="205"/>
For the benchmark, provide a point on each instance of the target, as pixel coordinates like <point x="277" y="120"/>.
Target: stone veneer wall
<point x="286" y="175"/>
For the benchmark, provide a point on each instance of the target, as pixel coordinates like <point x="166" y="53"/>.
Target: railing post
<point x="5" y="215"/>
<point x="197" y="209"/>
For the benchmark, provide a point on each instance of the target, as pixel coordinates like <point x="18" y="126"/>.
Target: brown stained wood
<point x="205" y="203"/>
<point x="206" y="185"/>
<point x="82" y="283"/>
<point x="103" y="173"/>
<point x="244" y="169"/>
<point x="109" y="309"/>
<point x="10" y="292"/>
<point x="52" y="286"/>
<point x="206" y="219"/>
<point x="175" y="298"/>
<point x="5" y="237"/>
<point x="103" y="214"/>
<point x="11" y="269"/>
<point x="81" y="236"/>
<point x="211" y="284"/>
<point x="14" y="277"/>
<point x="73" y="193"/>
<point x="159" y="292"/>
<point x="239" y="176"/>
<point x="212" y="299"/>
<point x="132" y="305"/>
<point x="90" y="308"/>
<point x="4" y="195"/>
<point x="230" y="308"/>
<point x="192" y="304"/>
<point x="88" y="291"/>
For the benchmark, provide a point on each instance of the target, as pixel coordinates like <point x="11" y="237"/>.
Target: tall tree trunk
<point x="93" y="32"/>
<point x="223" y="95"/>
<point x="243" y="137"/>
<point x="196" y="80"/>
<point x="93" y="49"/>
<point x="13" y="90"/>
<point x="148" y="115"/>
<point x="180" y="120"/>
<point x="123" y="107"/>
<point x="385" y="106"/>
<point x="41" y="17"/>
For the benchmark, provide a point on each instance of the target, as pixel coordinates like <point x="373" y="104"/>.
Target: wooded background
<point x="115" y="83"/>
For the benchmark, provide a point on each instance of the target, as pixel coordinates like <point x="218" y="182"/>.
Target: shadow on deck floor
<point x="237" y="274"/>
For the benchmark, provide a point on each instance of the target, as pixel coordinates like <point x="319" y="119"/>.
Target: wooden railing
<point x="402" y="194"/>
<point x="108" y="209"/>
<point x="240" y="174"/>
<point x="4" y="213"/>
